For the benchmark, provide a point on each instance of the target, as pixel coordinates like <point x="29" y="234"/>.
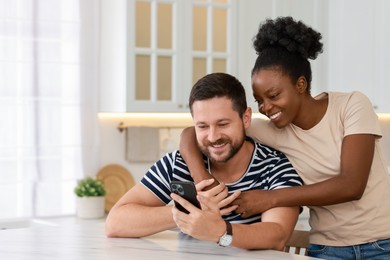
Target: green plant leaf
<point x="89" y="187"/>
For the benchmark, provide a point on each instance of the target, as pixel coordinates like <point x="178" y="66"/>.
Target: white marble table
<point x="87" y="241"/>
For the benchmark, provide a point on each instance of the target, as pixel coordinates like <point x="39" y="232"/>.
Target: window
<point x="40" y="143"/>
<point x="48" y="103"/>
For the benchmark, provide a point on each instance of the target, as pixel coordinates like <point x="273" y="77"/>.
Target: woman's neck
<point x="311" y="113"/>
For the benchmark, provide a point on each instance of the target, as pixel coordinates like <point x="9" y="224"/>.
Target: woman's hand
<point x="218" y="195"/>
<point x="204" y="176"/>
<point x="252" y="202"/>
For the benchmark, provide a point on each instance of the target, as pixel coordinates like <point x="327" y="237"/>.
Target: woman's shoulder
<point x="355" y="111"/>
<point x="347" y="96"/>
<point x="346" y="101"/>
<point x="262" y="130"/>
<point x="260" y="122"/>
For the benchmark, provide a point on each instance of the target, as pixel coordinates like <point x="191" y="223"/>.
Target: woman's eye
<point x="259" y="102"/>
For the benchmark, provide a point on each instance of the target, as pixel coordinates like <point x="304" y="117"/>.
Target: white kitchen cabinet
<point x="359" y="49"/>
<point x="154" y="51"/>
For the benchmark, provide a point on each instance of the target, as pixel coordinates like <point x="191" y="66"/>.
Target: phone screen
<point x="187" y="190"/>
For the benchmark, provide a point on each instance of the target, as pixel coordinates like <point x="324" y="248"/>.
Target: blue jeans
<point x="378" y="250"/>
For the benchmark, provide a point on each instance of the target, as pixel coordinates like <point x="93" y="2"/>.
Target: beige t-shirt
<point x="315" y="154"/>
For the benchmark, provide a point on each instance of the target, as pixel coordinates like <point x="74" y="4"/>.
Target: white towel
<point x="142" y="144"/>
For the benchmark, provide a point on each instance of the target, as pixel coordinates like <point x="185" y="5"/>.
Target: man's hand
<point x="252" y="202"/>
<point x="204" y="224"/>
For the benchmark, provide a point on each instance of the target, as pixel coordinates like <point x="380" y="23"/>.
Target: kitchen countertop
<point x="72" y="238"/>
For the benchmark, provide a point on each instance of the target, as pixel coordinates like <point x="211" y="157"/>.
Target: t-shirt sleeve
<point x="283" y="174"/>
<point x="158" y="177"/>
<point x="360" y="117"/>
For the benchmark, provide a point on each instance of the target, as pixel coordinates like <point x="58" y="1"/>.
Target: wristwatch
<point x="227" y="238"/>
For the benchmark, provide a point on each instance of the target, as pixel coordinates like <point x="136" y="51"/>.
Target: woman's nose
<point x="265" y="107"/>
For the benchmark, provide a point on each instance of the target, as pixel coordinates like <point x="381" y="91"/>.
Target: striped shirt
<point x="269" y="169"/>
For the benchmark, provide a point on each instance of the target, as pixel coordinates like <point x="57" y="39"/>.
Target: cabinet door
<point x="171" y="44"/>
<point x="153" y="56"/>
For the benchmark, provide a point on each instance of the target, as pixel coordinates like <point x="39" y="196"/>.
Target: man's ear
<point x="301" y="85"/>
<point x="247" y="117"/>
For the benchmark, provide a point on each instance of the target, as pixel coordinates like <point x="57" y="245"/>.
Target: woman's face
<point x="277" y="97"/>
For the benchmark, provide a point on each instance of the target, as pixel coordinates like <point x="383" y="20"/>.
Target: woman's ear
<point x="301" y="84"/>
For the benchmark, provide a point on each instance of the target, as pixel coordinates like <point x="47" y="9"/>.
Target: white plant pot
<point x="90" y="207"/>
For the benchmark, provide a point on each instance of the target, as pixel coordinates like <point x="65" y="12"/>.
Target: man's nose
<point x="214" y="134"/>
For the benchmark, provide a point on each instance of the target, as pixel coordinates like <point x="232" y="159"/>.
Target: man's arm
<point x="274" y="230"/>
<point x="207" y="224"/>
<point x="138" y="213"/>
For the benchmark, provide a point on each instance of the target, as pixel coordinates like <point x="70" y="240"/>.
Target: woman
<point x="332" y="140"/>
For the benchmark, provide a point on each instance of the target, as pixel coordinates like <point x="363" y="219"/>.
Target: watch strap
<point x="229" y="229"/>
<point x="227" y="238"/>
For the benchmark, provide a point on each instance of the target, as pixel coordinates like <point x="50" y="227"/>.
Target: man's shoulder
<point x="174" y="156"/>
<point x="177" y="160"/>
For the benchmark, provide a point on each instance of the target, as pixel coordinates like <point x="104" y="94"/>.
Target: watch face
<point x="225" y="240"/>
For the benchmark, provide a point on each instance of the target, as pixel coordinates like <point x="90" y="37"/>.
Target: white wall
<point x="359" y="48"/>
<point x="113" y="57"/>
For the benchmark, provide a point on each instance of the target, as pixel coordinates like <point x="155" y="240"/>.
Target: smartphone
<point x="187" y="190"/>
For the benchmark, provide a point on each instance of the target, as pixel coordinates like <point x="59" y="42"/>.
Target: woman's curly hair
<point x="287" y="44"/>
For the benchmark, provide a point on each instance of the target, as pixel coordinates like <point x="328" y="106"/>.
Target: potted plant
<point x="90" y="198"/>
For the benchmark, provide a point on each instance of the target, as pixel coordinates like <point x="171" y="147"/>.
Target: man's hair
<point x="219" y="85"/>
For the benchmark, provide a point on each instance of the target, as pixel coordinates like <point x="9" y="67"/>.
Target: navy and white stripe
<point x="269" y="169"/>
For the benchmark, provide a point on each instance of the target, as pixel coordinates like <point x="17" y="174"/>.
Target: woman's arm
<point x="356" y="158"/>
<point x="193" y="157"/>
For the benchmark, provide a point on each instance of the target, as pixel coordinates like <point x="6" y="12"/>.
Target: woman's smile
<point x="275" y="116"/>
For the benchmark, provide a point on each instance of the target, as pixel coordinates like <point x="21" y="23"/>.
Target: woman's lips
<point x="275" y="116"/>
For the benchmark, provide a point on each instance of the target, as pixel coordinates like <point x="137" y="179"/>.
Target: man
<point x="220" y="115"/>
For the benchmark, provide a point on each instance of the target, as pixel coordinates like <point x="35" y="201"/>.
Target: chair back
<point x="298" y="242"/>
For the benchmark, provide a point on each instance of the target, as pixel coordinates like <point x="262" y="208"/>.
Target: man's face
<point x="220" y="131"/>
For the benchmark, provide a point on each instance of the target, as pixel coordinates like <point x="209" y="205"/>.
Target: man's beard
<point x="234" y="148"/>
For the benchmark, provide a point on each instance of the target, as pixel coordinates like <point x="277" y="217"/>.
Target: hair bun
<point x="291" y="35"/>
